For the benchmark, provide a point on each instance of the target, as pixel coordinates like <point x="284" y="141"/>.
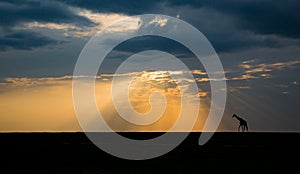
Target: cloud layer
<point x="229" y="25"/>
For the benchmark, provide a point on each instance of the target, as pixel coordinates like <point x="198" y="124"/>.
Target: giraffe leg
<point x="239" y="128"/>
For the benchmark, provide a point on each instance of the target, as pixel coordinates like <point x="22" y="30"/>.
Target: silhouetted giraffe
<point x="243" y="123"/>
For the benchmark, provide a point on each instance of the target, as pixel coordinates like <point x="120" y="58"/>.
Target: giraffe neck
<point x="240" y="119"/>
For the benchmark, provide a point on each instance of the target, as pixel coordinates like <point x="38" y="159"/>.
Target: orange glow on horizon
<point x="47" y="106"/>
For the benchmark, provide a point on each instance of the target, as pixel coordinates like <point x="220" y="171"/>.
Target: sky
<point x="257" y="41"/>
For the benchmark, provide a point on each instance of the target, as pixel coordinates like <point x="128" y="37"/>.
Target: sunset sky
<point x="258" y="43"/>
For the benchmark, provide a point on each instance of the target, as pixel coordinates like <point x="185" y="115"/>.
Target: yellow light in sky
<point x="45" y="104"/>
<point x="141" y="87"/>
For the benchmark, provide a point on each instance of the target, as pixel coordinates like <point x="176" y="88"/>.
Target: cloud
<point x="268" y="17"/>
<point x="100" y="21"/>
<point x="243" y="77"/>
<point x="228" y="28"/>
<point x="224" y="33"/>
<point x="149" y="42"/>
<point x="285" y="92"/>
<point x="24" y="16"/>
<point x="198" y="72"/>
<point x="230" y="25"/>
<point x="130" y="7"/>
<point x="158" y="21"/>
<point x="259" y="16"/>
<point x="250" y="70"/>
<point x="18" y="11"/>
<point x="203" y="94"/>
<point x="16" y="15"/>
<point x="25" y="40"/>
<point x="265" y="68"/>
<point x="50" y="25"/>
<point x="26" y="82"/>
<point x="129" y="25"/>
<point x="156" y="79"/>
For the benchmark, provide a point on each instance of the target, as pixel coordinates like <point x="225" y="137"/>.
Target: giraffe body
<point x="243" y="123"/>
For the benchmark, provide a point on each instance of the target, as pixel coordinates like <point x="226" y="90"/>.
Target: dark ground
<point x="225" y="152"/>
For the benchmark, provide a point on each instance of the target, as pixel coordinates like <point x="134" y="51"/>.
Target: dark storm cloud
<point x="24" y="40"/>
<point x="144" y="43"/>
<point x="17" y="12"/>
<point x="131" y="7"/>
<point x="238" y="25"/>
<point x="234" y="42"/>
<point x="247" y="19"/>
<point x="267" y="17"/>
<point x="261" y="16"/>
